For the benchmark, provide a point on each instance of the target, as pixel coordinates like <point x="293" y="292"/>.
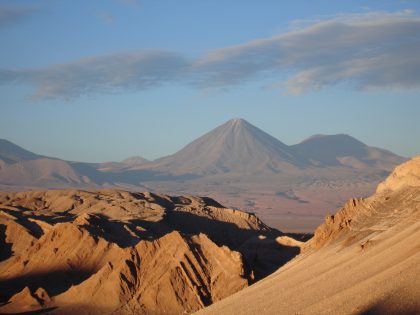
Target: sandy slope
<point x="363" y="260"/>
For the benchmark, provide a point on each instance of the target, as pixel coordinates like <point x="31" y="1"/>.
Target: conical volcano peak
<point x="238" y="121"/>
<point x="235" y="146"/>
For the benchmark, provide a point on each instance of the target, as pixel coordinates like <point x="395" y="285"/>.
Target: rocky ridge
<point x="65" y="251"/>
<point x="362" y="260"/>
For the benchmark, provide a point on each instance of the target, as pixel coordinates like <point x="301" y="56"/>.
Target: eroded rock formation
<point x="70" y="251"/>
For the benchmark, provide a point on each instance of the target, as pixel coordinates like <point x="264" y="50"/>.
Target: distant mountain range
<point x="20" y="169"/>
<point x="236" y="155"/>
<point x="239" y="147"/>
<point x="234" y="147"/>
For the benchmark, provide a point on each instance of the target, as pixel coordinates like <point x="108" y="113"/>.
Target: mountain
<point x="41" y="172"/>
<point x="238" y="147"/>
<point x="234" y="147"/>
<point x="364" y="259"/>
<point x="20" y="168"/>
<point x="134" y="160"/>
<point x="119" y="166"/>
<point x="290" y="187"/>
<point x="119" y="252"/>
<point x="10" y="153"/>
<point x="344" y="150"/>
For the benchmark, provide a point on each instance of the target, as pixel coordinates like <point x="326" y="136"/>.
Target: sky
<point x="102" y="80"/>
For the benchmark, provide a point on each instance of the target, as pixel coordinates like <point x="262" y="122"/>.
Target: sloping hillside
<point x="365" y="259"/>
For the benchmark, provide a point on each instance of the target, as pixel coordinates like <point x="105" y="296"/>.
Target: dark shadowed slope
<point x="234" y="147"/>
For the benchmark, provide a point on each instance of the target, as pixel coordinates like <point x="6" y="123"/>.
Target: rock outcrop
<point x="91" y="252"/>
<point x="404" y="175"/>
<point x="365" y="259"/>
<point x="359" y="213"/>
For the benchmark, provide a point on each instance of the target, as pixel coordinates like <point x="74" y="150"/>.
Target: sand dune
<point x="363" y="260"/>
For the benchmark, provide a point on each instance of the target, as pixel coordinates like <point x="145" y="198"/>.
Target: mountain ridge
<point x="236" y="163"/>
<point x="239" y="147"/>
<point x="232" y="136"/>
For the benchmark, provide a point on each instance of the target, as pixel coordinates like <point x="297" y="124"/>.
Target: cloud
<point x="373" y="51"/>
<point x="101" y="74"/>
<point x="12" y="14"/>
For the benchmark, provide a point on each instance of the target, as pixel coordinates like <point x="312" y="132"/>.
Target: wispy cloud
<point x="101" y="74"/>
<point x="11" y="14"/>
<point x="371" y="51"/>
<point x="368" y="51"/>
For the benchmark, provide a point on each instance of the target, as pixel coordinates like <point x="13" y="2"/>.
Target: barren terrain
<point x="365" y="259"/>
<point x="72" y="251"/>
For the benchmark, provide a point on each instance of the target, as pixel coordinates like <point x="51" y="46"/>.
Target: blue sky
<point x="103" y="80"/>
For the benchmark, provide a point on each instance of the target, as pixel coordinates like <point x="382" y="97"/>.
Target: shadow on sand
<point x="53" y="281"/>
